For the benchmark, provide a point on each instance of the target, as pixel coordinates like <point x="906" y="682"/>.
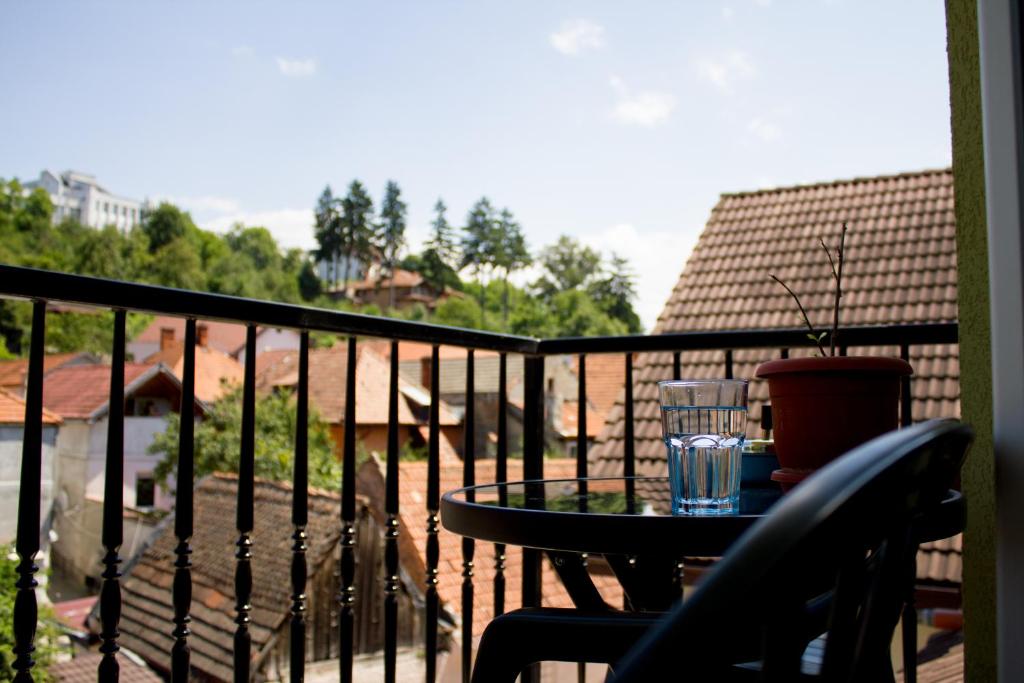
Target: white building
<point x="79" y="396"/>
<point x="78" y="196"/>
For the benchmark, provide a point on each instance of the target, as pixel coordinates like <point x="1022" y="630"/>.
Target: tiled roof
<point x="226" y="337"/>
<point x="83" y="668"/>
<point x="402" y="278"/>
<point x="900" y="268"/>
<point x="146" y="587"/>
<point x="12" y="411"/>
<point x="80" y="391"/>
<point x="570" y="420"/>
<point x="12" y="372"/>
<point x="328" y="369"/>
<point x="216" y="371"/>
<point x="606" y="373"/>
<point x="412" y="487"/>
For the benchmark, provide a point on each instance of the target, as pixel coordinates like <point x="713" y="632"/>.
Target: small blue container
<point x="759" y="462"/>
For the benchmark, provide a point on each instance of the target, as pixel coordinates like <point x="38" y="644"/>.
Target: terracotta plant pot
<point x="823" y="407"/>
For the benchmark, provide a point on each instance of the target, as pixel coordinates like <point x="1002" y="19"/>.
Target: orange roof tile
<point x="606" y="373"/>
<point x="900" y="268"/>
<point x="12" y="372"/>
<point x="216" y="372"/>
<point x="327" y="371"/>
<point x="413" y="514"/>
<point x="81" y="391"/>
<point x="12" y="410"/>
<point x="226" y="337"/>
<point x="403" y="278"/>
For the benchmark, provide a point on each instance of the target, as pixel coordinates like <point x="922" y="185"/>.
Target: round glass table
<point x="629" y="521"/>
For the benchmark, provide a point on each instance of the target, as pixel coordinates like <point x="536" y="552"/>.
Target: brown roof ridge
<point x="282" y="485"/>
<point x="835" y="183"/>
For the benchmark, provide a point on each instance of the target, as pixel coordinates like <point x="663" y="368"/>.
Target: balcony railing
<point x="42" y="287"/>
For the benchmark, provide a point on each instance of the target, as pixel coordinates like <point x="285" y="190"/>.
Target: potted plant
<point x="825" y="405"/>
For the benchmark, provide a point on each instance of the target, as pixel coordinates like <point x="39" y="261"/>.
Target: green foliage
<point x="615" y="291"/>
<point x="356" y="229"/>
<point x="165" y="224"/>
<point x="441" y="242"/>
<point x="327" y="229"/>
<point x="47" y="632"/>
<point x="218" y="441"/>
<point x="566" y="264"/>
<point x="392" y="224"/>
<point x="167" y="249"/>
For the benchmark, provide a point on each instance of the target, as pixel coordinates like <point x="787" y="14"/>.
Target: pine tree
<point x="511" y="253"/>
<point x="442" y="241"/>
<point x="478" y="246"/>
<point x="357" y="230"/>
<point x="327" y="230"/>
<point x="616" y="291"/>
<point x="391" y="237"/>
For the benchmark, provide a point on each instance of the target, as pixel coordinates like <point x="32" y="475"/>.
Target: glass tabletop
<point x="646" y="496"/>
<point x="620" y="515"/>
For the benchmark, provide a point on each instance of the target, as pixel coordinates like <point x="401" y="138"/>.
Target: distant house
<point x="77" y="196"/>
<point x="227" y="338"/>
<point x="12" y="431"/>
<point x="900" y="268"/>
<point x="327" y="372"/>
<point x="216" y="373"/>
<point x="560" y="392"/>
<point x="14" y="372"/>
<point x="147" y="613"/>
<point x="410" y="289"/>
<point x="79" y="395"/>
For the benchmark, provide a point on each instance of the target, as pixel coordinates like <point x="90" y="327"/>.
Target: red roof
<point x="81" y="391"/>
<point x="412" y="485"/>
<point x="12" y="410"/>
<point x="12" y="372"/>
<point x="216" y="372"/>
<point x="226" y="337"/>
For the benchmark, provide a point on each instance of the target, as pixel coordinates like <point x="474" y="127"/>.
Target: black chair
<point x="829" y="560"/>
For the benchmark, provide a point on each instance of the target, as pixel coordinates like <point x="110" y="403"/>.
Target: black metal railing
<point x="43" y="287"/>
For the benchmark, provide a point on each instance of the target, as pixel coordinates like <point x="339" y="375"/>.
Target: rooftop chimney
<point x="202" y="334"/>
<point x="166" y="337"/>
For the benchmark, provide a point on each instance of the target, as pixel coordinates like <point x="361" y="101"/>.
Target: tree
<point x="165" y="224"/>
<point x="218" y="441"/>
<point x="566" y="265"/>
<point x="309" y="283"/>
<point x="511" y="253"/>
<point x="356" y="226"/>
<point x="442" y="239"/>
<point x="391" y="238"/>
<point x="47" y="633"/>
<point x="615" y="293"/>
<point x="478" y="247"/>
<point x="327" y="230"/>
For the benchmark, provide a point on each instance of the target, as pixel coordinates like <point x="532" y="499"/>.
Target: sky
<point x="617" y="123"/>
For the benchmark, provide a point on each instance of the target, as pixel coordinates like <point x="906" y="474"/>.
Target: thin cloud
<point x="766" y="130"/>
<point x="647" y="108"/>
<point x="290" y="227"/>
<point x="577" y="36"/>
<point x="204" y="204"/>
<point x="241" y="51"/>
<point x="728" y="13"/>
<point x="725" y="72"/>
<point x="296" y="68"/>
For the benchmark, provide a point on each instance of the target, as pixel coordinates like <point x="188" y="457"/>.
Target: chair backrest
<point x="833" y="556"/>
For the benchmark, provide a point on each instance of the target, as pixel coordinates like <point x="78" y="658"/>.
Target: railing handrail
<point x="38" y="284"/>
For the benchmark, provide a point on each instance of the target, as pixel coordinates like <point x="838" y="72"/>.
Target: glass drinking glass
<point x="703" y="423"/>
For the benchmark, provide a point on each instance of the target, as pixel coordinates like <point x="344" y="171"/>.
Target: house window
<point x="145" y="490"/>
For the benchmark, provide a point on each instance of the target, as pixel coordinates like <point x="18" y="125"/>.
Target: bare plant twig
<point x="838" y="274"/>
<point x="813" y="335"/>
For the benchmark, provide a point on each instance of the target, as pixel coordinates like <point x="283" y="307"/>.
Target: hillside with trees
<point x="578" y="292"/>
